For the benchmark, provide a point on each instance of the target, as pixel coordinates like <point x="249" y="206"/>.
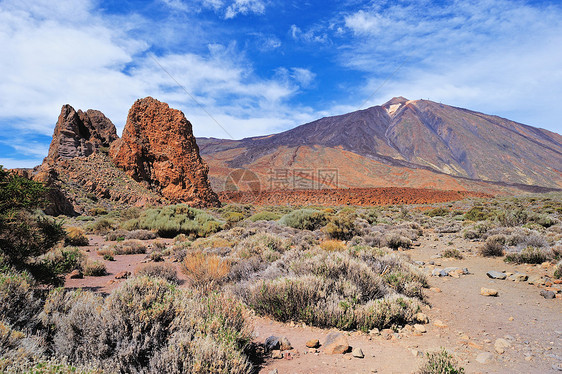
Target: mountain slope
<point x="401" y="143"/>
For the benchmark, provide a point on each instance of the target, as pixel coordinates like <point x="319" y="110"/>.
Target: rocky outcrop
<point x="158" y="148"/>
<point x="79" y="134"/>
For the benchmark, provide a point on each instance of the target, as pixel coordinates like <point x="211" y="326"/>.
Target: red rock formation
<point x="158" y="148"/>
<point x="79" y="134"/>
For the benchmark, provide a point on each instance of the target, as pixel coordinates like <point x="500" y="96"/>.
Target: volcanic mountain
<point x="412" y="143"/>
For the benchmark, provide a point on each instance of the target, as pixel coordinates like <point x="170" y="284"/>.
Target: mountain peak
<point x="394" y="104"/>
<point x="394" y="101"/>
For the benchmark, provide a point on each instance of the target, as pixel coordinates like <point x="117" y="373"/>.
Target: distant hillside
<point x="401" y="143"/>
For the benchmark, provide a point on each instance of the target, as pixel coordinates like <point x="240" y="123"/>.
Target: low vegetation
<point x="441" y="362"/>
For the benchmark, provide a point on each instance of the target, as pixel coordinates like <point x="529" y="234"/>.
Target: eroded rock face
<point x="79" y="134"/>
<point x="159" y="149"/>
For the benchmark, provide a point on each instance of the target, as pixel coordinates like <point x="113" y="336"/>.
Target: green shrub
<point x="558" y="270"/>
<point x="342" y="226"/>
<point x="265" y="216"/>
<point x="530" y="255"/>
<point x="440" y="362"/>
<point x="477" y="213"/>
<point x="173" y="220"/>
<point x="438" y="212"/>
<point x="268" y="246"/>
<point x="305" y="219"/>
<point x="63" y="260"/>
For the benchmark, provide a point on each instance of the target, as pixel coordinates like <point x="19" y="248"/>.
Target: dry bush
<point x="440" y="362"/>
<point x="268" y="246"/>
<point x="558" y="270"/>
<point x="75" y="236"/>
<point x="140" y="235"/>
<point x="333" y="289"/>
<point x="117" y="235"/>
<point x="394" y="241"/>
<point x="94" y="268"/>
<point x="165" y="271"/>
<point x="530" y="255"/>
<point x="494" y="246"/>
<point x="106" y="252"/>
<point x="211" y="242"/>
<point x="130" y="247"/>
<point x="18" y="301"/>
<point x="332" y="245"/>
<point x="205" y="271"/>
<point x="452" y="253"/>
<point x="149" y="325"/>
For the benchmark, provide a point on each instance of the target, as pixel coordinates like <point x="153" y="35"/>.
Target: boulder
<point x="336" y="343"/>
<point x="357" y="352"/>
<point x="158" y="149"/>
<point x="488" y="292"/>
<point x="313" y="343"/>
<point x="496" y="275"/>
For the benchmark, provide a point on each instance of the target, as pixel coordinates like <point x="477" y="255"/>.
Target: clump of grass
<point x="173" y="220"/>
<point x="267" y="246"/>
<point x="530" y="255"/>
<point x="156" y="256"/>
<point x="441" y="362"/>
<point x="558" y="270"/>
<point x="332" y="245"/>
<point x="102" y="225"/>
<point x="164" y="271"/>
<point x="75" y="236"/>
<point x="106" y="251"/>
<point x="94" y="268"/>
<point x="395" y="241"/>
<point x="438" y="212"/>
<point x="342" y="225"/>
<point x="305" y="219"/>
<point x="494" y="246"/>
<point x="63" y="260"/>
<point x="452" y="253"/>
<point x="130" y="247"/>
<point x="205" y="271"/>
<point x="140" y="235"/>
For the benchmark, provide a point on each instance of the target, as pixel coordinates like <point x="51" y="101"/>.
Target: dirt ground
<point x="470" y="322"/>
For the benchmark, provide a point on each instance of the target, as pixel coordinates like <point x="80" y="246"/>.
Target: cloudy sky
<point x="241" y="68"/>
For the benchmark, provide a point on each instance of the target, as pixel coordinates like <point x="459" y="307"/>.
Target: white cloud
<point x="499" y="57"/>
<point x="92" y="63"/>
<point x="313" y="35"/>
<point x="244" y="7"/>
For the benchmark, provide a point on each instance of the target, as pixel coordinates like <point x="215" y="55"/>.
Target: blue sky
<point x="264" y="66"/>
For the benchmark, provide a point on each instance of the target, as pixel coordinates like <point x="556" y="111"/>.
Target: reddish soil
<point x="348" y="196"/>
